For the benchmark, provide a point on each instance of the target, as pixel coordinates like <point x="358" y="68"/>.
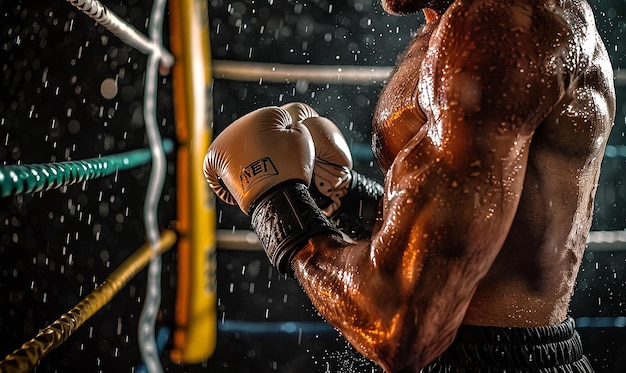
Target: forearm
<point x="380" y="311"/>
<point x="346" y="290"/>
<point x="373" y="298"/>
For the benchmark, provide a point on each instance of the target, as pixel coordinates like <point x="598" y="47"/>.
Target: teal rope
<point x="21" y="179"/>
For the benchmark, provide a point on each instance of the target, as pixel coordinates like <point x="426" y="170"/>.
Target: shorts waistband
<point x="555" y="348"/>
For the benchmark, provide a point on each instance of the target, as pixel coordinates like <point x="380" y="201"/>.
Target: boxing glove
<point x="347" y="197"/>
<point x="333" y="161"/>
<point x="263" y="162"/>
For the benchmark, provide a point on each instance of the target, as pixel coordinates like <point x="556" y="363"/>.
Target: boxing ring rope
<point x="147" y="319"/>
<point x="24" y="358"/>
<point x="620" y="77"/>
<point x="247" y="240"/>
<point x="21" y="179"/>
<point x="125" y="32"/>
<point x="281" y="73"/>
<point x="338" y="74"/>
<point x="33" y="178"/>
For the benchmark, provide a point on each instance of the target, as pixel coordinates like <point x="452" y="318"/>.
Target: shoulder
<point x="516" y="29"/>
<point x="504" y="61"/>
<point x="506" y="29"/>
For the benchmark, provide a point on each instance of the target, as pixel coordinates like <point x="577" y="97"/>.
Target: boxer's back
<point x="531" y="281"/>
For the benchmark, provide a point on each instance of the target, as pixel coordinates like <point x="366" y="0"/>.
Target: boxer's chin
<point x="402" y="7"/>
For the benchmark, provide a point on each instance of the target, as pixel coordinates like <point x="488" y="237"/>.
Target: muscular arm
<point x="450" y="195"/>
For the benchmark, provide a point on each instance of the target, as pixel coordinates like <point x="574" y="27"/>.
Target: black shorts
<point x="482" y="349"/>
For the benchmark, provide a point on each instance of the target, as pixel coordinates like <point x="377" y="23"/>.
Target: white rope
<point x="147" y="319"/>
<point x="281" y="73"/>
<point x="335" y="74"/>
<point x="125" y="32"/>
<point x="241" y="239"/>
<point x="620" y="77"/>
<point x="611" y="237"/>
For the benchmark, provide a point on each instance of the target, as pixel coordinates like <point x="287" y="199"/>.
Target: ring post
<point x="195" y="316"/>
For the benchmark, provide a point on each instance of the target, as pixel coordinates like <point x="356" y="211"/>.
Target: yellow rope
<point x="24" y="358"/>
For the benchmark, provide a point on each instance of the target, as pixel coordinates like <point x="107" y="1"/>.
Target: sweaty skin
<point x="490" y="133"/>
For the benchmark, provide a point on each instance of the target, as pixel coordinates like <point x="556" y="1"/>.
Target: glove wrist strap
<point x="365" y="187"/>
<point x="359" y="207"/>
<point x="284" y="220"/>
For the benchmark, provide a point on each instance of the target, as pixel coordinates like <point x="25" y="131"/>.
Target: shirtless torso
<point x="491" y="134"/>
<point x="531" y="281"/>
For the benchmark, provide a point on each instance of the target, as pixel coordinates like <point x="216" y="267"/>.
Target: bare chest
<point x="398" y="116"/>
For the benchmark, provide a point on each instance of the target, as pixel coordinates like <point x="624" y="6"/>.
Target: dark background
<point x="57" y="246"/>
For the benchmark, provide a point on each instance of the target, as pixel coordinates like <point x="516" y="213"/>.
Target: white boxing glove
<point x="256" y="152"/>
<point x="263" y="162"/>
<point x="350" y="199"/>
<point x="332" y="174"/>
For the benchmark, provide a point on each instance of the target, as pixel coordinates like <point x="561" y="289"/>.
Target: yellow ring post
<point x="195" y="316"/>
